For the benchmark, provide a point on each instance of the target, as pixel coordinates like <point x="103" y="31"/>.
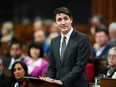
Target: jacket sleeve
<point x="51" y="72"/>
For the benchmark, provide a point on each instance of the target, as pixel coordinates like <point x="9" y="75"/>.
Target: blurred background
<point x="23" y="22"/>
<point x="20" y="10"/>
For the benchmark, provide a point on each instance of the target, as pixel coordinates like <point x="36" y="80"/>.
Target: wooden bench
<point x="107" y="82"/>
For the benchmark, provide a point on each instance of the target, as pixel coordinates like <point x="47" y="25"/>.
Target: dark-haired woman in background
<point x="37" y="66"/>
<point x="18" y="71"/>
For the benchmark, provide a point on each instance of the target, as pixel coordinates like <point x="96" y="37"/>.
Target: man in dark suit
<point x="69" y="53"/>
<point x="3" y="77"/>
<point x="15" y="55"/>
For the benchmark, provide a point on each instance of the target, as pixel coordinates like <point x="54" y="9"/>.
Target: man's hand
<point x="48" y="79"/>
<point x="57" y="82"/>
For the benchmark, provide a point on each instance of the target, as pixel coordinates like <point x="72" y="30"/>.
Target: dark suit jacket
<point x="3" y="80"/>
<point x="102" y="55"/>
<point x="8" y="61"/>
<point x="72" y="69"/>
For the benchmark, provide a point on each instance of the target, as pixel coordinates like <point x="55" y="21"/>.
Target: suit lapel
<point x="69" y="45"/>
<point x="58" y="48"/>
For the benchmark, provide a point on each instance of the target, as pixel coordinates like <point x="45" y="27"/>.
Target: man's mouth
<point x="63" y="26"/>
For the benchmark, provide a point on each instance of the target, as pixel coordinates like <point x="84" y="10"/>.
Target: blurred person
<point x="112" y="34"/>
<point x="53" y="32"/>
<point x="100" y="48"/>
<point x="40" y="38"/>
<point x="8" y="33"/>
<point x="37" y="66"/>
<point x="16" y="54"/>
<point x="3" y="77"/>
<point x="18" y="71"/>
<point x="38" y="24"/>
<point x="111" y="73"/>
<point x="96" y="22"/>
<point x="68" y="54"/>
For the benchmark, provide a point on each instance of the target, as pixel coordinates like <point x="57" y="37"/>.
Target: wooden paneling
<point x="106" y="8"/>
<point x="23" y="32"/>
<point x="105" y="82"/>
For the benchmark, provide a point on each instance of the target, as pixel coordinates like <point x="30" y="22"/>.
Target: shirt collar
<point x="20" y="58"/>
<point x="101" y="49"/>
<point x="68" y="34"/>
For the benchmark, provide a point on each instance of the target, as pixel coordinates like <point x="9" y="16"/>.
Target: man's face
<point x="95" y="22"/>
<point x="1" y="65"/>
<point x="63" y="22"/>
<point x="38" y="25"/>
<point x="101" y="38"/>
<point x="39" y="36"/>
<point x="112" y="33"/>
<point x="15" y="51"/>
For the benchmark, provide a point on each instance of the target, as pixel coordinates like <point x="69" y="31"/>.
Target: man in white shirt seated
<point x="100" y="48"/>
<point x="15" y="55"/>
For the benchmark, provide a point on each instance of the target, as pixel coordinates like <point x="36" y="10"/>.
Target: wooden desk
<point x="41" y="83"/>
<point x="107" y="82"/>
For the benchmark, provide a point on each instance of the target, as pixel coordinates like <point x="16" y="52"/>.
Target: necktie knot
<point x="64" y="38"/>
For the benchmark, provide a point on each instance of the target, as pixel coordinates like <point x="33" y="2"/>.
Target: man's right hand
<point x="48" y="79"/>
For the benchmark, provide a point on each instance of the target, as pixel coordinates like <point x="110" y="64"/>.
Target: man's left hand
<point x="57" y="82"/>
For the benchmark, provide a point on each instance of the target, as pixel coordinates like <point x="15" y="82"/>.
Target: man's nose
<point x="63" y="22"/>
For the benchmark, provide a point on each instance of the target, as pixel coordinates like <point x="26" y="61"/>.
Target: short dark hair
<point x="99" y="17"/>
<point x="38" y="18"/>
<point x="16" y="42"/>
<point x="63" y="10"/>
<point x="24" y="66"/>
<point x="38" y="46"/>
<point x="102" y="30"/>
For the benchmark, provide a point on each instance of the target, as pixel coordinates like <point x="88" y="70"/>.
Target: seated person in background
<point x="8" y="33"/>
<point x="111" y="72"/>
<point x="97" y="21"/>
<point x="54" y="31"/>
<point x="18" y="71"/>
<point x="38" y="24"/>
<point x="40" y="38"/>
<point x="3" y="77"/>
<point x="100" y="49"/>
<point x="37" y="66"/>
<point x="15" y="55"/>
<point x="112" y="34"/>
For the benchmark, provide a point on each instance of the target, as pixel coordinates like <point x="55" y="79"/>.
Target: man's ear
<point x="71" y="20"/>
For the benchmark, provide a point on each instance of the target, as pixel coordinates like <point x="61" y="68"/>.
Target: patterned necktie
<point x="63" y="48"/>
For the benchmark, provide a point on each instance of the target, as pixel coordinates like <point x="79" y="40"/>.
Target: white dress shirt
<point x="100" y="51"/>
<point x="114" y="76"/>
<point x="13" y="60"/>
<point x="67" y="38"/>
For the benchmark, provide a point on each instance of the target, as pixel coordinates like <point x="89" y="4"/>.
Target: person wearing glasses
<point x="111" y="72"/>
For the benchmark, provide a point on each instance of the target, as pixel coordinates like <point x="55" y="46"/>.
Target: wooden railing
<point x="105" y="82"/>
